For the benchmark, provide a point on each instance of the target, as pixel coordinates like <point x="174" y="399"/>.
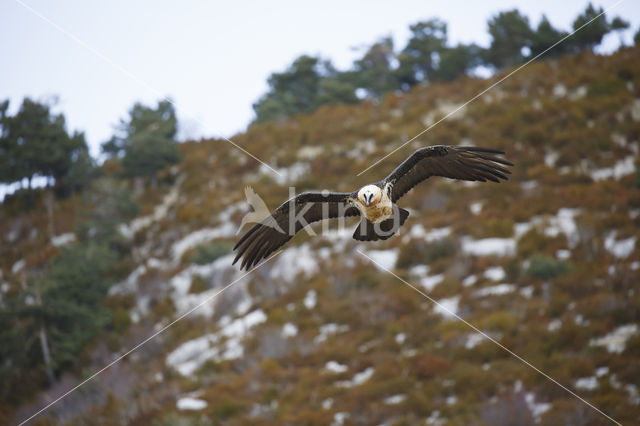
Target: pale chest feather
<point x="378" y="212"/>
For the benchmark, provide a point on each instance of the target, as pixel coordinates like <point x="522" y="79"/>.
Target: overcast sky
<point x="213" y="58"/>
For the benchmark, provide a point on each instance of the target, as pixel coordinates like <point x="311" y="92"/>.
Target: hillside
<point x="547" y="264"/>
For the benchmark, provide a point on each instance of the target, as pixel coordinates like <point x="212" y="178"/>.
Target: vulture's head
<point x="369" y="195"/>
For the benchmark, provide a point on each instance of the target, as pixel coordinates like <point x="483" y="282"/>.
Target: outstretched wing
<point x="455" y="162"/>
<point x="284" y="222"/>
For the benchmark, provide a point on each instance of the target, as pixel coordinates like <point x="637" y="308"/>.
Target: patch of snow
<point x="527" y="291"/>
<point x="154" y="263"/>
<point x="457" y="112"/>
<point x="357" y="379"/>
<point x="226" y="214"/>
<point x="18" y="266"/>
<point x="635" y="265"/>
<point x="61" y="240"/>
<point x="435" y="420"/>
<point x="219" y="272"/>
<point x="400" y="338"/>
<point x="159" y="213"/>
<point x="190" y="356"/>
<point x="537" y="409"/>
<point x="293" y="261"/>
<point x="408" y="353"/>
<point x="200" y="236"/>
<point x="327" y="403"/>
<point x="619" y="248"/>
<point x="395" y="399"/>
<point x="451" y="400"/>
<point x="437" y="234"/>
<point x="289" y="330"/>
<point x="578" y="93"/>
<point x="617" y="339"/>
<point x="473" y="340"/>
<point x="495" y="273"/>
<point x="417" y="231"/>
<point x="635" y="110"/>
<point x="519" y="229"/>
<point x="286" y="175"/>
<point x="563" y="254"/>
<point x="620" y="169"/>
<point x="554" y="325"/>
<point x="634" y="396"/>
<point x="329" y="330"/>
<point x="469" y="281"/>
<point x="476" y="208"/>
<point x="587" y="383"/>
<point x="262" y="410"/>
<point x="310" y="299"/>
<point x="559" y="90"/>
<point x="310" y="152"/>
<point x="448" y="307"/>
<point x="564" y="223"/>
<point x="602" y="371"/>
<point x="495" y="290"/>
<point x="365" y="147"/>
<point x="335" y="367"/>
<point x="188" y="403"/>
<point x="619" y="139"/>
<point x="384" y="258"/>
<point x="419" y="270"/>
<point x="339" y="418"/>
<point x="429" y="282"/>
<point x="550" y="158"/>
<point x="529" y="185"/>
<point x="489" y="246"/>
<point x="130" y="283"/>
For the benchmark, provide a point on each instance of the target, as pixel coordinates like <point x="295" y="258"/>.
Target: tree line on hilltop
<point x="428" y="57"/>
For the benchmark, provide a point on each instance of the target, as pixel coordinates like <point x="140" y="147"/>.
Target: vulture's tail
<point x="368" y="231"/>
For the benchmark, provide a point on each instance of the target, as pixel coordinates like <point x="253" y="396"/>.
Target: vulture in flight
<point x="374" y="203"/>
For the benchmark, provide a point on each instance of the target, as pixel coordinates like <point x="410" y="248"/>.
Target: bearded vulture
<point x="375" y="203"/>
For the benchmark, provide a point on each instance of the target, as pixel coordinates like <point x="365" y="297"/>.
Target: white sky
<point x="213" y="58"/>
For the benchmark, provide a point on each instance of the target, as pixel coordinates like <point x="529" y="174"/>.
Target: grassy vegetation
<point x="556" y="306"/>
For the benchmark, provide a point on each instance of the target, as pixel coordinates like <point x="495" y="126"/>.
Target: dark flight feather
<point x="273" y="232"/>
<point x="455" y="162"/>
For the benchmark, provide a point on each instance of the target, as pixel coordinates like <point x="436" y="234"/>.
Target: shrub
<point x="198" y="285"/>
<point x="545" y="267"/>
<point x="439" y="250"/>
<point x="207" y="253"/>
<point x="419" y="252"/>
<point x="426" y="366"/>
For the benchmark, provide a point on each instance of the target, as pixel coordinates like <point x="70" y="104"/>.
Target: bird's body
<point x="375" y="203"/>
<point x="380" y="205"/>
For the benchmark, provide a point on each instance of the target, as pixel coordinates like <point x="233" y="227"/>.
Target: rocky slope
<point x="547" y="264"/>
